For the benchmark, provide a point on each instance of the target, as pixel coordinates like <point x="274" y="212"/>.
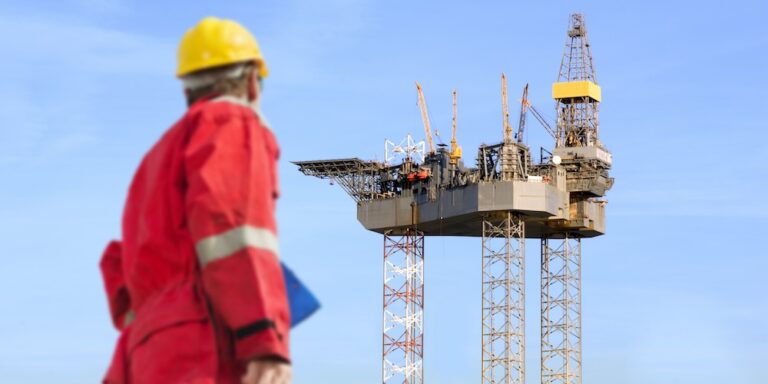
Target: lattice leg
<point x="503" y="299"/>
<point x="561" y="311"/>
<point x="403" y="341"/>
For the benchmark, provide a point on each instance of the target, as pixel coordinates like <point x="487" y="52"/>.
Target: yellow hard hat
<point x="214" y="42"/>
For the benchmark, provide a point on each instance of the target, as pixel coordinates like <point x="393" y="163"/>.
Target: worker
<point x="195" y="285"/>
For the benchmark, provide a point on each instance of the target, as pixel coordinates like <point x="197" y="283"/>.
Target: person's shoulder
<point x="230" y="114"/>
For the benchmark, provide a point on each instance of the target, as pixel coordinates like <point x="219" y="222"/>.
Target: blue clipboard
<point x="300" y="300"/>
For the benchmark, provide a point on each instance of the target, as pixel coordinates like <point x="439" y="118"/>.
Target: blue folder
<point x="300" y="300"/>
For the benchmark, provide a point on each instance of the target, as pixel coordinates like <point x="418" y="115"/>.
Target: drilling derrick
<point x="577" y="101"/>
<point x="576" y="90"/>
<point x="502" y="199"/>
<point x="586" y="162"/>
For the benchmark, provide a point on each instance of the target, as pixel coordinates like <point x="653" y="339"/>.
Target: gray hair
<point x="209" y="77"/>
<point x="224" y="80"/>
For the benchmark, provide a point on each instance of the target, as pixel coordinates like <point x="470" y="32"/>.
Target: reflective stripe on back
<point x="230" y="242"/>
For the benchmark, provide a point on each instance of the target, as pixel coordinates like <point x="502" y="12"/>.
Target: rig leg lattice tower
<point x="503" y="299"/>
<point x="561" y="310"/>
<point x="403" y="336"/>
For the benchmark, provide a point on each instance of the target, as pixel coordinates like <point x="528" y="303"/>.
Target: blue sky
<point x="675" y="293"/>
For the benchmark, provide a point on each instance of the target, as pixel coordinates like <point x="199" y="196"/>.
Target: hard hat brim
<point x="261" y="67"/>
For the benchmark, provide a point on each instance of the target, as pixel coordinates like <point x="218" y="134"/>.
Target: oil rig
<point x="504" y="198"/>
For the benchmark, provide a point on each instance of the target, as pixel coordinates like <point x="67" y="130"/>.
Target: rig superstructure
<point x="504" y="198"/>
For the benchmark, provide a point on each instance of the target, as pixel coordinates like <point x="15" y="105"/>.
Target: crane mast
<point x="505" y="110"/>
<point x="425" y="119"/>
<point x="455" y="148"/>
<point x="524" y="104"/>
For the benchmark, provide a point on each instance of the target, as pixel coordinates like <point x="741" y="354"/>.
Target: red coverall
<point x="198" y="263"/>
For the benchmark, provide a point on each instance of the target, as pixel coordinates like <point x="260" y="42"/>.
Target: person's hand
<point x="267" y="372"/>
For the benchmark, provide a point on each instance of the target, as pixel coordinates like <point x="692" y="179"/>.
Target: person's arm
<point x="111" y="266"/>
<point x="230" y="206"/>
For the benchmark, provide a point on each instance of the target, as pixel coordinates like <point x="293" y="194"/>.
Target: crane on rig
<point x="524" y="104"/>
<point x="425" y="119"/>
<point x="455" y="148"/>
<point x="505" y="110"/>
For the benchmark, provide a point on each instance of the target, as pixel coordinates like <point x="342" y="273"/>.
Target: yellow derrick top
<point x="576" y="89"/>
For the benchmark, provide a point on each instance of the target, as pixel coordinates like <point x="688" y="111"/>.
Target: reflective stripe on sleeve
<point x="227" y="243"/>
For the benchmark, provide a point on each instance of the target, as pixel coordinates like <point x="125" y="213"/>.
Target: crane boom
<point x="425" y="119"/>
<point x="543" y="121"/>
<point x="523" y="109"/>
<point x="505" y="110"/>
<point x="453" y="127"/>
<point x="526" y="105"/>
<point x="455" y="148"/>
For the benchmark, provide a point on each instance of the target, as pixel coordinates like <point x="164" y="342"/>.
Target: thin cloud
<point x="300" y="51"/>
<point x="82" y="48"/>
<point x="43" y="120"/>
<point x="104" y="6"/>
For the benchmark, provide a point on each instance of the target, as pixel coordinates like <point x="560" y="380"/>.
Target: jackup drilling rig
<point x="505" y="198"/>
